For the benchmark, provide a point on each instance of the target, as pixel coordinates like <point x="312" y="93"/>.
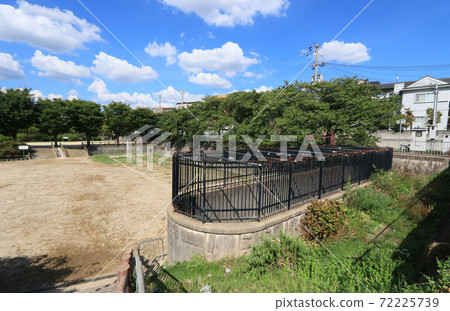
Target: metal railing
<point x="423" y="147"/>
<point x="149" y="255"/>
<point x="218" y="189"/>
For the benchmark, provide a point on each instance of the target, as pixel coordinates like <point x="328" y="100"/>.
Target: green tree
<point x="409" y="117"/>
<point x="17" y="111"/>
<point x="142" y="116"/>
<point x="53" y="117"/>
<point x="85" y="117"/>
<point x="118" y="118"/>
<point x="430" y="112"/>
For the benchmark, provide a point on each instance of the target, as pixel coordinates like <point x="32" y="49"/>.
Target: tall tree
<point x="53" y="117"/>
<point x="142" y="116"/>
<point x="17" y="111"/>
<point x="85" y="117"/>
<point x="118" y="118"/>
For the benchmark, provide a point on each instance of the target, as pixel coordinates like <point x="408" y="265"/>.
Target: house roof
<point x="390" y="86"/>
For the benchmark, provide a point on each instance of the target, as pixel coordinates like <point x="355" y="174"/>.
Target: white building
<point x="418" y="96"/>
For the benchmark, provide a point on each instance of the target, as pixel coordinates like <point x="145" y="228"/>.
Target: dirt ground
<point x="65" y="219"/>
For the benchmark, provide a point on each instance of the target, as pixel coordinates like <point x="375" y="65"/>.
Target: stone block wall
<point x="214" y="241"/>
<point x="420" y="164"/>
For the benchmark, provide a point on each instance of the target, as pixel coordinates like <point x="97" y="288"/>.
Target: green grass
<point x="382" y="246"/>
<point x="114" y="158"/>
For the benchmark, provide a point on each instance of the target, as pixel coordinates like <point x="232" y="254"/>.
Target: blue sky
<point x="206" y="47"/>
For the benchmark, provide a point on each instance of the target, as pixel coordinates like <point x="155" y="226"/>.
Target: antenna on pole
<point x="314" y="49"/>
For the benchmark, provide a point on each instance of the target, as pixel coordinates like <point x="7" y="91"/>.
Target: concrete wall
<point x="214" y="241"/>
<point x="420" y="164"/>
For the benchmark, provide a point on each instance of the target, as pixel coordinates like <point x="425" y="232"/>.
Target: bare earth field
<point x="65" y="219"/>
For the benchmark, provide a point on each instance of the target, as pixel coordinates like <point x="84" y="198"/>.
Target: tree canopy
<point x="17" y="111"/>
<point x="85" y="117"/>
<point x="350" y="109"/>
<point x="53" y="117"/>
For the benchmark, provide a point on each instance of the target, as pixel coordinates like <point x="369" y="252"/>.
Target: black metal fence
<point x="239" y="187"/>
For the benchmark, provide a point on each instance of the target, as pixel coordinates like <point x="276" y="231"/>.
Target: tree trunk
<point x="117" y="139"/>
<point x="88" y="138"/>
<point x="55" y="140"/>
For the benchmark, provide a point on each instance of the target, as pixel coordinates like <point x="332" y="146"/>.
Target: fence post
<point x="290" y="185"/>
<point x="259" y="191"/>
<point x="204" y="193"/>
<point x="174" y="177"/>
<point x="343" y="171"/>
<point x="360" y="155"/>
<point x="320" y="179"/>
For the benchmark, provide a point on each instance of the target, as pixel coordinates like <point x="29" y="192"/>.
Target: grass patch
<point x="122" y="158"/>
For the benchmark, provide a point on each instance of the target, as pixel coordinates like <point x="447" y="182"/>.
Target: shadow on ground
<point x="158" y="280"/>
<point x="430" y="239"/>
<point x="31" y="274"/>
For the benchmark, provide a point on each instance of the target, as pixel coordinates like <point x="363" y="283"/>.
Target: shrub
<point x="377" y="204"/>
<point x="10" y="149"/>
<point x="324" y="218"/>
<point x="442" y="282"/>
<point x="275" y="254"/>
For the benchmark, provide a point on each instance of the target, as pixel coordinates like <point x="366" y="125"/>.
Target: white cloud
<point x="73" y="94"/>
<point x="253" y="75"/>
<point x="229" y="59"/>
<point x="261" y="89"/>
<point x="167" y="50"/>
<point x="51" y="29"/>
<point x="120" y="70"/>
<point x="10" y="69"/>
<point x="342" y="52"/>
<point x="173" y="96"/>
<point x="210" y="35"/>
<point x="53" y="96"/>
<point x="38" y="94"/>
<point x="55" y="68"/>
<point x="139" y="99"/>
<point x="254" y="54"/>
<point x="230" y="12"/>
<point x="211" y="80"/>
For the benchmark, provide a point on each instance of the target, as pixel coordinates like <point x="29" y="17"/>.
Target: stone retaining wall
<point x="187" y="236"/>
<point x="420" y="164"/>
<point x="214" y="241"/>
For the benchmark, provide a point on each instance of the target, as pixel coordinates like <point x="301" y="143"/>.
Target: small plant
<point x="374" y="202"/>
<point x="324" y="218"/>
<point x="283" y="252"/>
<point x="198" y="263"/>
<point x="442" y="282"/>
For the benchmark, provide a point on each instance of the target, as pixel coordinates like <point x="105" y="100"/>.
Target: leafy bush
<point x="378" y="205"/>
<point x="283" y="252"/>
<point x="442" y="282"/>
<point x="324" y="218"/>
<point x="10" y="149"/>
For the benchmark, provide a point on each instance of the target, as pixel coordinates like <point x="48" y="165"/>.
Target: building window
<point x="418" y="134"/>
<point x="424" y="98"/>
<point x="419" y="122"/>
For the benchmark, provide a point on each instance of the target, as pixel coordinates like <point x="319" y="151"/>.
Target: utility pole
<point x="435" y="106"/>
<point x="314" y="49"/>
<point x="182" y="98"/>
